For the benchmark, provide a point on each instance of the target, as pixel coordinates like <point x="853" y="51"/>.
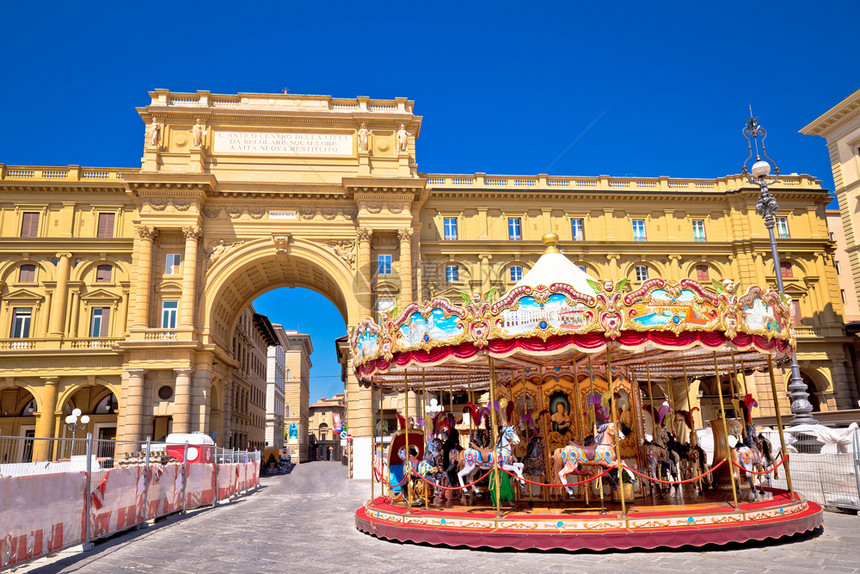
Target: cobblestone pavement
<point x="303" y="522"/>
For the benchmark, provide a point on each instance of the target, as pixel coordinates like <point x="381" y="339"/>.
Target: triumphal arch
<point x="240" y="194"/>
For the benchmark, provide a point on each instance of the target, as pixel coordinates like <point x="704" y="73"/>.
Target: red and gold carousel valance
<point x="558" y="319"/>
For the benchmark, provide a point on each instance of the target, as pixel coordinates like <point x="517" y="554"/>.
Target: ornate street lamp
<point x="75" y="426"/>
<point x="759" y="174"/>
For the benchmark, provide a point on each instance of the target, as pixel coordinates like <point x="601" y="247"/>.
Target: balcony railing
<point x="652" y="184"/>
<point x="42" y="344"/>
<point x="67" y="173"/>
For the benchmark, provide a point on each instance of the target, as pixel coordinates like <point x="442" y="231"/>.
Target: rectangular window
<point x="103" y="273"/>
<point x="842" y="292"/>
<point x="838" y="270"/>
<point x="798" y="318"/>
<point x="641" y="273"/>
<point x="105" y="226"/>
<point x="577" y="229"/>
<point x="638" y="230"/>
<point x="168" y="314"/>
<point x="30" y="224"/>
<point x="99" y="322"/>
<point x="703" y="273"/>
<point x="516" y="273"/>
<point x="782" y="228"/>
<point x="832" y="238"/>
<point x="515" y="229"/>
<point x="452" y="273"/>
<point x="27" y="274"/>
<point x="21" y="323"/>
<point x="172" y="262"/>
<point x="450" y="228"/>
<point x="698" y="230"/>
<point x="384" y="265"/>
<point x="786" y="270"/>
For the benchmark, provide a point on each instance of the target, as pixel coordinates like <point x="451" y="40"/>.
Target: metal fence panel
<point x="124" y="484"/>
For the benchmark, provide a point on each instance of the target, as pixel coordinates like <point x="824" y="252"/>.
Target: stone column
<point x="143" y="280"/>
<point x="58" y="309"/>
<point x="364" y="272"/>
<point x="45" y="426"/>
<point x="189" y="276"/>
<point x="182" y="401"/>
<point x="131" y="410"/>
<point x="405" y="236"/>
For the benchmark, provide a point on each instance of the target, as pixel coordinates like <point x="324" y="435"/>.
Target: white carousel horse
<point x="472" y="459"/>
<point x="602" y="453"/>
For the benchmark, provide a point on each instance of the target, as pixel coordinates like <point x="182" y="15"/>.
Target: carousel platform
<point x="673" y="522"/>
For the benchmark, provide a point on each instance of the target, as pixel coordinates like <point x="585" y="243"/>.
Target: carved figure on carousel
<point x="655" y="452"/>
<point x="477" y="458"/>
<point x="601" y="453"/>
<point x="752" y="451"/>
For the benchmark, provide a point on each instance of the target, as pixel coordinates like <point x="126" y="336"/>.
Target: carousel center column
<point x="404" y="234"/>
<point x="147" y="235"/>
<point x="363" y="291"/>
<point x="189" y="276"/>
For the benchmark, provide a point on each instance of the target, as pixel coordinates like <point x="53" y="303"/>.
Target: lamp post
<point x="759" y="174"/>
<point x="74" y="425"/>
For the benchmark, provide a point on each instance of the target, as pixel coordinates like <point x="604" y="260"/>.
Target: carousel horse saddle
<point x="589" y="452"/>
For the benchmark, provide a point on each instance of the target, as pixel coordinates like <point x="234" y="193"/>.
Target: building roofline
<point x="266" y="327"/>
<point x="834" y="117"/>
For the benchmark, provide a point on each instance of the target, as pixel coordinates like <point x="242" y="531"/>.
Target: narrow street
<point x="303" y="522"/>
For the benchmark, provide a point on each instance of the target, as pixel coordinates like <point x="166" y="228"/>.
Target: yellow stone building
<point x="324" y="438"/>
<point x="297" y="361"/>
<point x="126" y="280"/>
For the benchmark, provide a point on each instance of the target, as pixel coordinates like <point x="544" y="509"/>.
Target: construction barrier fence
<point x="88" y="491"/>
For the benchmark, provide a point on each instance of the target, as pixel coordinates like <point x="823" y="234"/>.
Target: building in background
<point x="325" y="423"/>
<point x="275" y="377"/>
<point x="126" y="291"/>
<point x="247" y="388"/>
<point x="840" y="127"/>
<point x="297" y="361"/>
<point x="842" y="261"/>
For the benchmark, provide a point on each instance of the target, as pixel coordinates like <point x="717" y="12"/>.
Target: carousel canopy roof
<point x="554" y="267"/>
<point x="561" y="320"/>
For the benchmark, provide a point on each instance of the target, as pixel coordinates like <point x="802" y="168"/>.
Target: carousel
<point x="570" y="416"/>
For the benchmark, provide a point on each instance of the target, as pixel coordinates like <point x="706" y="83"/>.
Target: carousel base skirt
<point x="547" y="528"/>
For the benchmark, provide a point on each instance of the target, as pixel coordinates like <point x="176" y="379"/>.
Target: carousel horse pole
<point x="579" y="424"/>
<point x="689" y="441"/>
<point x="653" y="418"/>
<point x="408" y="462"/>
<point x="545" y="425"/>
<point x="423" y="394"/>
<point x="779" y="424"/>
<point x="495" y="437"/>
<point x="594" y="418"/>
<point x="744" y="373"/>
<point x="372" y="440"/>
<point x="612" y="404"/>
<point x="670" y="396"/>
<point x="725" y="429"/>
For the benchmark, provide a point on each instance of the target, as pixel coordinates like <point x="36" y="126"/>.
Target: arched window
<point x="641" y="272"/>
<point x="702" y="273"/>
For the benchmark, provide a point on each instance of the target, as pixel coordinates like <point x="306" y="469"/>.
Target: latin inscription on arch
<point x="271" y="143"/>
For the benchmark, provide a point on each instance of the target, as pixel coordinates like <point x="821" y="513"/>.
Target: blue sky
<point x="638" y="88"/>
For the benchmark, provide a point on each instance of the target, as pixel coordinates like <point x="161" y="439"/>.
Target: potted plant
<point x="627" y="478"/>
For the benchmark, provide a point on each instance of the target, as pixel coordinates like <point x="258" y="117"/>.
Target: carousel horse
<point x="474" y="458"/>
<point x="698" y="460"/>
<point x="431" y="468"/>
<point x="601" y="453"/>
<point x="750" y="455"/>
<point x="534" y="463"/>
<point x="655" y="453"/>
